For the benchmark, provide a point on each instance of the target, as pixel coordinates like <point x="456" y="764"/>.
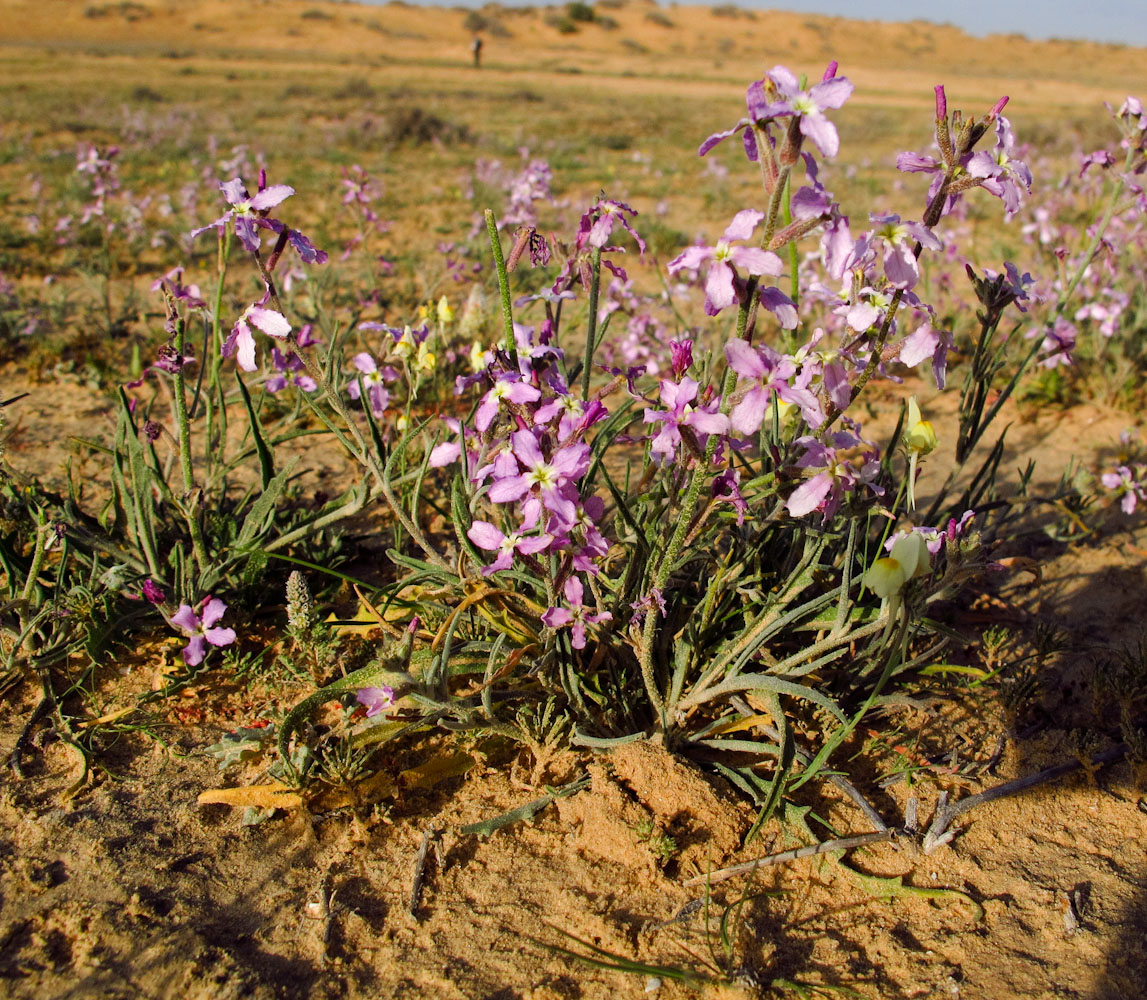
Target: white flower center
<point x="544" y="475"/>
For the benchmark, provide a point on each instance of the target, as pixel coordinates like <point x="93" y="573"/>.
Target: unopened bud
<point x="521" y="240"/>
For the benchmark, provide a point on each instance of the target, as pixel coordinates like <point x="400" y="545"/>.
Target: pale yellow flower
<point x="920" y="436"/>
<point x="427" y="360"/>
<point x="919" y="439"/>
<point x="909" y="558"/>
<point x="477" y="357"/>
<point x="405" y="346"/>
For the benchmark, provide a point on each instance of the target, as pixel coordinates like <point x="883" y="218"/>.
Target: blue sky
<point x="1102" y="20"/>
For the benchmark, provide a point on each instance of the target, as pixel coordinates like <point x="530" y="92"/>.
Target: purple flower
<point x="288" y="366"/>
<point x="999" y="172"/>
<point x="779" y="95"/>
<point x="372" y="379"/>
<point x="1128" y="483"/>
<point x="200" y="629"/>
<point x="927" y="343"/>
<point x="682" y="356"/>
<point x="720" y="288"/>
<point x="594" y="546"/>
<point x="576" y="417"/>
<point x="169" y="360"/>
<point x="771" y="373"/>
<point x="678" y="397"/>
<point x="934" y="538"/>
<point x="1059" y="342"/>
<point x="900" y="265"/>
<point x="152" y="593"/>
<point x="640" y="608"/>
<point x="825" y="489"/>
<point x="1011" y="286"/>
<point x="914" y="163"/>
<point x="487" y="536"/>
<point x="245" y="209"/>
<point x="307" y="251"/>
<point x="727" y="487"/>
<point x="553" y="479"/>
<point x="597" y="224"/>
<point x="574" y="614"/>
<point x="376" y="699"/>
<point x="241" y="342"/>
<point x="508" y="388"/>
<point x="1100" y="158"/>
<point x="306" y="336"/>
<point x="172" y="282"/>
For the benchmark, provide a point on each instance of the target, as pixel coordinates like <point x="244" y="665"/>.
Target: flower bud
<point x="919" y="436"/>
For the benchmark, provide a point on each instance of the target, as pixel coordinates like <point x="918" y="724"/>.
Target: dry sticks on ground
<point x="939" y="833"/>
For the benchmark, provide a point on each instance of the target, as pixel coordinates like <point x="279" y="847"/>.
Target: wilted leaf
<point x="363" y="623"/>
<point x="241" y="746"/>
<point x="740" y="725"/>
<point x="437" y="769"/>
<point x="273" y="796"/>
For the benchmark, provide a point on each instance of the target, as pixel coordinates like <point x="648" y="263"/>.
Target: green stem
<point x="213" y="344"/>
<point x="503" y="286"/>
<point x="217" y="306"/>
<point x="778" y="201"/>
<point x="190" y="493"/>
<point x="39" y="553"/>
<point x="591" y="325"/>
<point x="978" y="422"/>
<point x="701" y="475"/>
<point x="365" y="454"/>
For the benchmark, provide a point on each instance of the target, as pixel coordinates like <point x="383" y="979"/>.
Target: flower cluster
<point x="247" y="215"/>
<point x="525" y="460"/>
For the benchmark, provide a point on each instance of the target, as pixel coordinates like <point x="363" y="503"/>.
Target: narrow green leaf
<point x="266" y="458"/>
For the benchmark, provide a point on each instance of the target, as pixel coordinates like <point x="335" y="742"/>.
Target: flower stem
<point x="503" y="286"/>
<point x="591" y="324"/>
<point x="365" y="454"/>
<point x="701" y="474"/>
<point x="190" y="492"/>
<point x="39" y="552"/>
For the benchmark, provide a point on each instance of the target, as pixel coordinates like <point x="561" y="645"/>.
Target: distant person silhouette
<point x="476" y="48"/>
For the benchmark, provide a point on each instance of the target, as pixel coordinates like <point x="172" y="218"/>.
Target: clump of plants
<point x="643" y="518"/>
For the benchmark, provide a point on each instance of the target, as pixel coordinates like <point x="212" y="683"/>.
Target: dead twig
<point x="420" y="860"/>
<point x="939" y="834"/>
<point x="45" y="707"/>
<point x="840" y="844"/>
